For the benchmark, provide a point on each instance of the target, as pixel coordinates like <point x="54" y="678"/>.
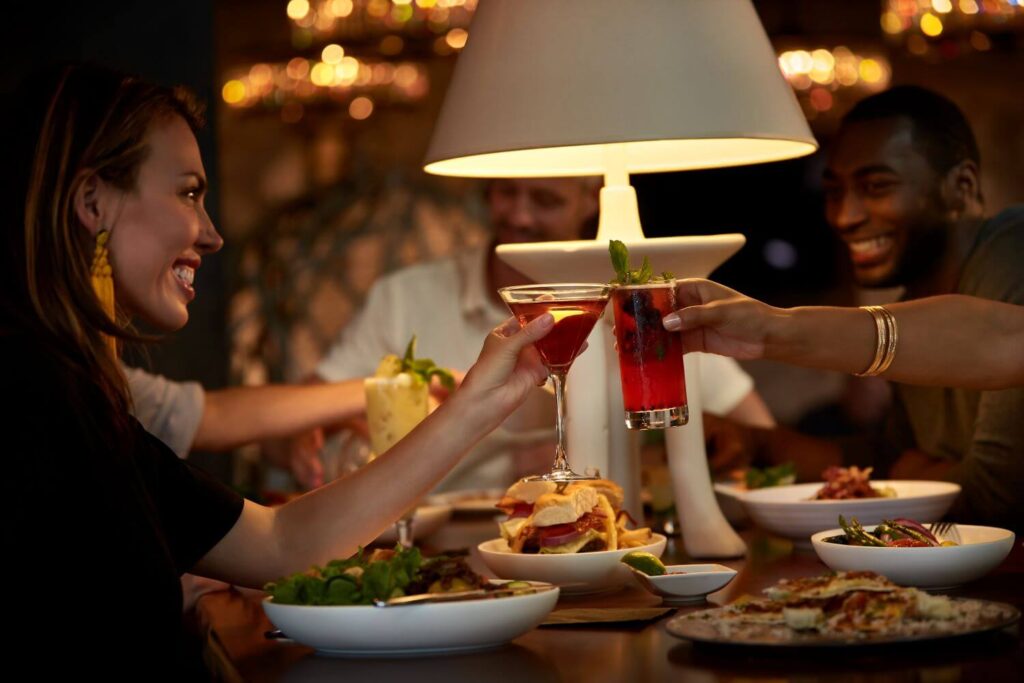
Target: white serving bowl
<point x="730" y="500"/>
<point x="428" y="628"/>
<point x="982" y="550"/>
<point x="576" y="573"/>
<point x="684" y="584"/>
<point x="426" y="520"/>
<point x="789" y="512"/>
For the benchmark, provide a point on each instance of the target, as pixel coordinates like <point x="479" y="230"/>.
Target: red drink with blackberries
<point x="650" y="357"/>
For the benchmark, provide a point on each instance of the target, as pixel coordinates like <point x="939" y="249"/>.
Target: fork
<point x="460" y="595"/>
<point x="946" y="531"/>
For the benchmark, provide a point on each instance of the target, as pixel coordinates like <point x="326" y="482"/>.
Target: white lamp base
<point x="706" y="533"/>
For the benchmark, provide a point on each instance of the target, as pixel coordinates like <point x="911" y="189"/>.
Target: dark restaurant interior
<point x="319" y="117"/>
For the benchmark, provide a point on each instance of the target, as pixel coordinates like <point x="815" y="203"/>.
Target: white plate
<point x="789" y="512"/>
<point x="480" y="501"/>
<point x="426" y="520"/>
<point x="577" y="573"/>
<point x="684" y="584"/>
<point x="983" y="548"/>
<point x="431" y="628"/>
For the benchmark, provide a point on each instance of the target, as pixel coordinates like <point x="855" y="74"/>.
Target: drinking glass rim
<point x="581" y="290"/>
<point x="647" y="285"/>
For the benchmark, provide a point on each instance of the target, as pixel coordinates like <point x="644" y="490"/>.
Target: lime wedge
<point x="644" y="562"/>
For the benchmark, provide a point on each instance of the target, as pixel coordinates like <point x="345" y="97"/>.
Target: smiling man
<point x="903" y="192"/>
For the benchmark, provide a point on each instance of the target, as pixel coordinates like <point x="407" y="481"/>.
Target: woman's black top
<point x="100" y="521"/>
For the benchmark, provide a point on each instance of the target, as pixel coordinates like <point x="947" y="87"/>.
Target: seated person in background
<point x="450" y="303"/>
<point x="903" y="191"/>
<point x="187" y="417"/>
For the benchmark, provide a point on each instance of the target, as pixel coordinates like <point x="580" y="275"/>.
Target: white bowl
<point x="684" y="584"/>
<point x="982" y="550"/>
<point x="730" y="500"/>
<point x="576" y="573"/>
<point x="429" y="628"/>
<point x="789" y="512"/>
<point x="426" y="520"/>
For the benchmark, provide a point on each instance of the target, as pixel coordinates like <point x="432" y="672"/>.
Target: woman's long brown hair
<point x="67" y="126"/>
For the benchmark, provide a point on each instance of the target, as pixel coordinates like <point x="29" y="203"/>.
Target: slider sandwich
<point x="583" y="516"/>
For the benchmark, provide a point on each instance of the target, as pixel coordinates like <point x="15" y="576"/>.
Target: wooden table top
<point x="234" y="625"/>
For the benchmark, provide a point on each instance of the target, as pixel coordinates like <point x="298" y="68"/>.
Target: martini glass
<point x="576" y="308"/>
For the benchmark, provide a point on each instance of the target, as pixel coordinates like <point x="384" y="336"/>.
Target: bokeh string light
<point x="823" y="75"/>
<point x="379" y="50"/>
<point x="429" y="23"/>
<point x="355" y="54"/>
<point x="304" y="81"/>
<point x="946" y="29"/>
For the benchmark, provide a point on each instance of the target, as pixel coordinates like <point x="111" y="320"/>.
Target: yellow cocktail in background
<point x="395" y="403"/>
<point x="397" y="399"/>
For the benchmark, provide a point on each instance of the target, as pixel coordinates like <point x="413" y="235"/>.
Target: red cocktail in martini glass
<point x="576" y="308"/>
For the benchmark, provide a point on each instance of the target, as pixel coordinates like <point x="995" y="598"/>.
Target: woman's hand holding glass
<point x="507" y="369"/>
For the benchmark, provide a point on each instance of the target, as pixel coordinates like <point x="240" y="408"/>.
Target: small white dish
<point x="412" y="630"/>
<point x="788" y="511"/>
<point x="576" y="573"/>
<point x="983" y="548"/>
<point x="686" y="584"/>
<point x="426" y="520"/>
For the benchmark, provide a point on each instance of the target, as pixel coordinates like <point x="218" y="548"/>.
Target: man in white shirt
<point x="452" y="304"/>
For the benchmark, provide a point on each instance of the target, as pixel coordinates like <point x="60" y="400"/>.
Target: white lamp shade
<point x="544" y="87"/>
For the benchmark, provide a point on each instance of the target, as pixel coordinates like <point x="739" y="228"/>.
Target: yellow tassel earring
<point x="103" y="281"/>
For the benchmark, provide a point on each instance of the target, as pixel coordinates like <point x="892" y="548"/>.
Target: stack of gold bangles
<point x="888" y="335"/>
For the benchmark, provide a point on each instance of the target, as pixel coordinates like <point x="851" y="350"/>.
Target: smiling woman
<point x="84" y="198"/>
<point x="106" y="203"/>
<point x="160" y="231"/>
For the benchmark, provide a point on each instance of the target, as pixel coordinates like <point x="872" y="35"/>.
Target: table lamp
<point x="550" y="88"/>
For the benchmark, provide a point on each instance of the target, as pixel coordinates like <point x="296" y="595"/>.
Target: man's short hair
<point x="940" y="129"/>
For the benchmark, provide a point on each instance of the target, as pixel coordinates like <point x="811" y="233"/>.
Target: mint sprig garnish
<point x="425" y="368"/>
<point x="624" y="276"/>
<point x="620" y="260"/>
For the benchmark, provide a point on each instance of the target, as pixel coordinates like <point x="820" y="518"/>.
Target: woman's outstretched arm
<point x="333" y="521"/>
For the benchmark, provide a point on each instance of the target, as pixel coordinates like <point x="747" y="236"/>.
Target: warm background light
<point x="940" y="30"/>
<point x="298" y="9"/>
<point x="360" y="108"/>
<point x="333" y="53"/>
<point x="822" y="76"/>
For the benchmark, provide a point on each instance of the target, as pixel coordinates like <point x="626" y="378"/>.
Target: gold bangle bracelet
<point x="881" y="340"/>
<point x="893" y="335"/>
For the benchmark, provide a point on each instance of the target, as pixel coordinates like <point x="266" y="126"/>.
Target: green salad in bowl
<point x="381" y="575"/>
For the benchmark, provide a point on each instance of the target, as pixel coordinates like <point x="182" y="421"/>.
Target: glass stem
<point x="403" y="529"/>
<point x="558" y="380"/>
